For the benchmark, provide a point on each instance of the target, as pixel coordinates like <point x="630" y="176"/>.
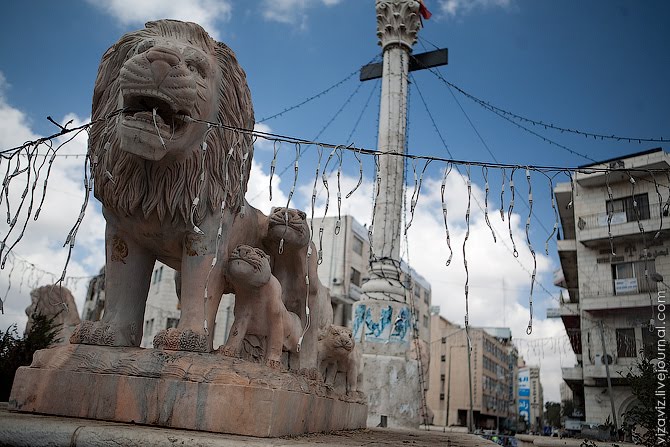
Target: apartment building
<point x="613" y="252"/>
<point x="491" y="376"/>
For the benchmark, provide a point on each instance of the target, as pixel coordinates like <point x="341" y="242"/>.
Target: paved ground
<point x="19" y="429"/>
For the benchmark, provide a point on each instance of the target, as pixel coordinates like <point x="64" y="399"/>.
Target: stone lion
<point x="166" y="180"/>
<point x="338" y="353"/>
<point x="54" y="302"/>
<point x="259" y="309"/>
<point x="288" y="242"/>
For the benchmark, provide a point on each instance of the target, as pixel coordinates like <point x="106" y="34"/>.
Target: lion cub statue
<point x="339" y="353"/>
<point x="259" y="309"/>
<point x="293" y="258"/>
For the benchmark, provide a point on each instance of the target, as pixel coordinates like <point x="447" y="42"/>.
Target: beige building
<point x="614" y="254"/>
<point x="493" y="373"/>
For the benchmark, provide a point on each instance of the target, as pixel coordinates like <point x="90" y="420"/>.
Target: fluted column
<point x="397" y="26"/>
<point x="383" y="317"/>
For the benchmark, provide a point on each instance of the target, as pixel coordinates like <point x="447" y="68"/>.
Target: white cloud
<point x="293" y="12"/>
<point x="206" y="13"/>
<point x="40" y="256"/>
<point x="455" y="8"/>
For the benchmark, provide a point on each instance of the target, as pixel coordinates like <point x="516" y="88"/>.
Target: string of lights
<point x="318" y="95"/>
<point x="16" y="169"/>
<point x="539" y="123"/>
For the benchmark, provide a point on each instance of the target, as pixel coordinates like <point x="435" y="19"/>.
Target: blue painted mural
<point x="384" y="329"/>
<point x="401" y="325"/>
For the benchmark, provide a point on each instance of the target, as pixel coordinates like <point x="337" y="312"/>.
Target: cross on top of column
<point x="398" y="22"/>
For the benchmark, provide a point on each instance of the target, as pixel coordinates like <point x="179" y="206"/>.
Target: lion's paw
<point x="98" y="333"/>
<point x="176" y="340"/>
<point x="274" y="364"/>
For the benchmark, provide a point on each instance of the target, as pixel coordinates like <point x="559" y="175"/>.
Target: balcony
<point x="573" y="374"/>
<point x="597" y="373"/>
<point x="593" y="228"/>
<point x="618" y="293"/>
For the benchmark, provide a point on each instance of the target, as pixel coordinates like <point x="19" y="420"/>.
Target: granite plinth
<point x="177" y="389"/>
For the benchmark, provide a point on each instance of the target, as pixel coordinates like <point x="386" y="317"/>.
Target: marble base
<point x="184" y="390"/>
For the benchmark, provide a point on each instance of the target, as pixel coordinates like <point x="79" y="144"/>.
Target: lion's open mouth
<point x="148" y="110"/>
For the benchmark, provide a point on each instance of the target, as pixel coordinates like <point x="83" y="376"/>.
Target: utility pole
<point x="607" y="372"/>
<point x="387" y="353"/>
<point x="470" y="413"/>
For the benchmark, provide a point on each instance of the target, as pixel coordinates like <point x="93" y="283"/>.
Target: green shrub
<point x="18" y="351"/>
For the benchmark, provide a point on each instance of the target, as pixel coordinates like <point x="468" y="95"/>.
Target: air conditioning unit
<point x="608" y="359"/>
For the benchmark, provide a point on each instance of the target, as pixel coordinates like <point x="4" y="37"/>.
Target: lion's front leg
<point x="202" y="285"/>
<point x="238" y="331"/>
<point x="127" y="277"/>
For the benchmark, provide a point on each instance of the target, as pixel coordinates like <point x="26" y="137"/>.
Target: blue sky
<point x="598" y="66"/>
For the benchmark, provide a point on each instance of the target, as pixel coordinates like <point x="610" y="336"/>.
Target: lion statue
<point x="167" y="180"/>
<point x="293" y="257"/>
<point x="338" y="353"/>
<point x="55" y="302"/>
<point x="259" y="309"/>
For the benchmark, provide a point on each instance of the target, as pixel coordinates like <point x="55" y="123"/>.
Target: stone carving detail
<point x="259" y="309"/>
<point x="294" y="258"/>
<point x="338" y="353"/>
<point x="398" y="22"/>
<point x="172" y="189"/>
<point x="148" y="162"/>
<point x="156" y="165"/>
<point x="54" y="302"/>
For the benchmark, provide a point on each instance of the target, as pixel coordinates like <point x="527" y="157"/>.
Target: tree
<point x="18" y="351"/>
<point x="553" y="413"/>
<point x="644" y="382"/>
<point x="567" y="408"/>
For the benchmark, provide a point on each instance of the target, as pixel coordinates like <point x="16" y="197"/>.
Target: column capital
<point x="398" y="22"/>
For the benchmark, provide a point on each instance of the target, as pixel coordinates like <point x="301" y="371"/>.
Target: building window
<point x="629" y="277"/>
<point x="441" y="396"/>
<point x="625" y="342"/>
<point x="444" y="340"/>
<point x="443" y="358"/>
<point x="649" y="343"/>
<point x="171" y="322"/>
<point x="632" y="208"/>
<point x="426" y="297"/>
<point x="355" y="277"/>
<point x="425" y="321"/>
<point x="357" y="245"/>
<point x="442" y="377"/>
<point x="148" y="326"/>
<point x="158" y="274"/>
<point x="417" y="291"/>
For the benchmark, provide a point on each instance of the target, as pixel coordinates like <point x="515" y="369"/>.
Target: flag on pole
<point x="424" y="11"/>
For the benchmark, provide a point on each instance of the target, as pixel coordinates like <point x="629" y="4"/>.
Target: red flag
<point x="424" y="11"/>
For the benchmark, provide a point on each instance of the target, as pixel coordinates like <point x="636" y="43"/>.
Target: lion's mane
<point x="169" y="188"/>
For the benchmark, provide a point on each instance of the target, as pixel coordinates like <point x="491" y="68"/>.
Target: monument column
<point x="383" y="318"/>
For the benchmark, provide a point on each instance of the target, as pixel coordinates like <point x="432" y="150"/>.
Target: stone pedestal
<point x="185" y="390"/>
<point x="391" y="380"/>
